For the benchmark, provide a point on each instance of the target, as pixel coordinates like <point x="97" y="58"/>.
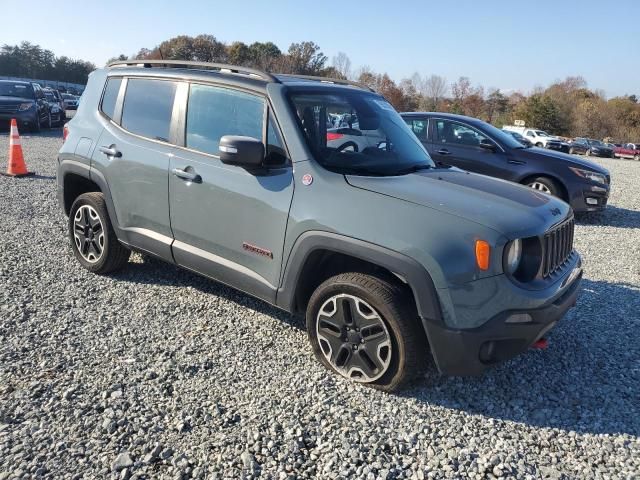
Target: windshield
<point x="358" y="133"/>
<point x="502" y="136"/>
<point x="66" y="96"/>
<point x="542" y="133"/>
<point x="16" y="90"/>
<point x="595" y="143"/>
<point x="50" y="96"/>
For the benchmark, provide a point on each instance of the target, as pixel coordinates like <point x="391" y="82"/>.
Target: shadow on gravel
<point x="157" y="272"/>
<point x="55" y="132"/>
<point x="611" y="217"/>
<point x="587" y="381"/>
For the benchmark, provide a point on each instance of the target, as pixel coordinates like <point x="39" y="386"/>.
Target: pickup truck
<point x="539" y="138"/>
<point x="629" y="150"/>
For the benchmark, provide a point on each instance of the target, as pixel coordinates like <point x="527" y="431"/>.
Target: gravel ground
<point x="158" y="373"/>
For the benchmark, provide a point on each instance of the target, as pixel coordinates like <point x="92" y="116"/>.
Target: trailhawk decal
<point x="255" y="249"/>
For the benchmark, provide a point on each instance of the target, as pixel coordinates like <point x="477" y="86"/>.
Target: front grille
<point x="558" y="245"/>
<point x="8" y="108"/>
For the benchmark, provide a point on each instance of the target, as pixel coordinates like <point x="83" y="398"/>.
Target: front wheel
<point x="545" y="185"/>
<point x="366" y="330"/>
<point x="636" y="157"/>
<point x="93" y="239"/>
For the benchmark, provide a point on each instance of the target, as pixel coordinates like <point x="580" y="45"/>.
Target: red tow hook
<point x="541" y="344"/>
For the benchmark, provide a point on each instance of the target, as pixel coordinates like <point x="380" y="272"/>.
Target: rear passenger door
<point x="133" y="155"/>
<point x="229" y="223"/>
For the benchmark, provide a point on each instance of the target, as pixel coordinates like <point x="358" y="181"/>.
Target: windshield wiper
<point x="413" y="169"/>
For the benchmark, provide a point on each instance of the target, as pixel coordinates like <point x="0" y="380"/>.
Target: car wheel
<point x="37" y="126"/>
<point x="545" y="185"/>
<point x="636" y="157"/>
<point x="539" y="144"/>
<point x="93" y="239"/>
<point x="366" y="330"/>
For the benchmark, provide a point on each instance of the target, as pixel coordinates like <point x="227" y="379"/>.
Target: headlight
<point x="512" y="256"/>
<point x="589" y="175"/>
<point x="25" y="106"/>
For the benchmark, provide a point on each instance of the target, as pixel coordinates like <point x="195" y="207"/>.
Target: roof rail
<point x="191" y="64"/>
<point x="337" y="81"/>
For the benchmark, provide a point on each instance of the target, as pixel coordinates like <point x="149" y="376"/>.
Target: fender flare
<point x="416" y="276"/>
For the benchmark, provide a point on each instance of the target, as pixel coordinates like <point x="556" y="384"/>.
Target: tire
<point x="101" y="252"/>
<point x="545" y="185"/>
<point x="392" y="329"/>
<point x="636" y="157"/>
<point x="37" y="126"/>
<point x="539" y="144"/>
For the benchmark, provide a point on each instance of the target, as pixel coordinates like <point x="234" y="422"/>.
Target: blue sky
<point x="512" y="45"/>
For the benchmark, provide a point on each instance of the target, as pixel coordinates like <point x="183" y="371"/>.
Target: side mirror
<point x="242" y="151"/>
<point x="487" y="145"/>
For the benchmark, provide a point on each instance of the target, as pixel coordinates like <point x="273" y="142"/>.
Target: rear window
<point x="110" y="96"/>
<point x="213" y="112"/>
<point x="147" y="108"/>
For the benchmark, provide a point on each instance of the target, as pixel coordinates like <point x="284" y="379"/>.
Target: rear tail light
<point x="65" y="132"/>
<point x="334" y="136"/>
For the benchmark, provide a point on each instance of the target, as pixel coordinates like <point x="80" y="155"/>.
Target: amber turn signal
<point x="483" y="252"/>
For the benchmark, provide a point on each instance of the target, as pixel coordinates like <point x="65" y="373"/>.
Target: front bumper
<point x="24" y="119"/>
<point x="472" y="351"/>
<point x="590" y="198"/>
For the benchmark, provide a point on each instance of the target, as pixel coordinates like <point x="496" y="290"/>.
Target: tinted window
<point x="419" y="127"/>
<point x="147" y="107"/>
<point x="22" y="90"/>
<point x="458" y="134"/>
<point x="110" y="96"/>
<point x="213" y="112"/>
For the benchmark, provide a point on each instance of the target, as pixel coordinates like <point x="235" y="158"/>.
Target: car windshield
<point x="358" y="133"/>
<point x="502" y="136"/>
<point x="16" y="90"/>
<point x="66" y="96"/>
<point x="595" y="143"/>
<point x="50" y="96"/>
<point x="542" y="133"/>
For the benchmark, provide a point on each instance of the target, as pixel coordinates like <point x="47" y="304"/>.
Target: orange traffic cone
<point x="16" y="166"/>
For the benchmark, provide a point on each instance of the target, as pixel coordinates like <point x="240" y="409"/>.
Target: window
<point x="147" y="108"/>
<point x="110" y="96"/>
<point x="276" y="154"/>
<point x="419" y="127"/>
<point x="214" y="112"/>
<point x="458" y="134"/>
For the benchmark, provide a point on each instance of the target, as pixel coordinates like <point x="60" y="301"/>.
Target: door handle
<point x="186" y="175"/>
<point x="111" y="151"/>
<point x="444" y="151"/>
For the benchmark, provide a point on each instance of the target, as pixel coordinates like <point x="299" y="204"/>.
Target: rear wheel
<point x="366" y="330"/>
<point x="93" y="239"/>
<point x="539" y="144"/>
<point x="545" y="185"/>
<point x="636" y="157"/>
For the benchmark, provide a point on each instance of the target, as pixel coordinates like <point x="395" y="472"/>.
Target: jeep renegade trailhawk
<point x="314" y="195"/>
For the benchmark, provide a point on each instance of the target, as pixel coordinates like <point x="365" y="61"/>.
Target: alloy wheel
<point x="88" y="233"/>
<point x="353" y="338"/>
<point x="540" y="187"/>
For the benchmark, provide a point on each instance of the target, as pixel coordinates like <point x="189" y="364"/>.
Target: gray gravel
<point x="158" y="373"/>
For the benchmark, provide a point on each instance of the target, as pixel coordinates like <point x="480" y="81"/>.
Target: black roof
<point x="451" y="116"/>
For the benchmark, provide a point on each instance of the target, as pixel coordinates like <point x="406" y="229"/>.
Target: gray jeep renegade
<point x="313" y="195"/>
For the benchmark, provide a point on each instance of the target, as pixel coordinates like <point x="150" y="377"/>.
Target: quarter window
<point x="214" y="112"/>
<point x="276" y="154"/>
<point x="110" y="96"/>
<point x="147" y="108"/>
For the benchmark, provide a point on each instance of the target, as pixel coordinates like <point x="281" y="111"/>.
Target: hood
<point x="8" y="100"/>
<point x="572" y="160"/>
<point x="508" y="208"/>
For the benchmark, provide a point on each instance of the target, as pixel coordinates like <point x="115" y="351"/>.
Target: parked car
<point x="557" y="145"/>
<point x="390" y="257"/>
<point x="578" y="147"/>
<point x="538" y="137"/>
<point x="519" y="138"/>
<point x="26" y="102"/>
<point x="70" y="101"/>
<point x="595" y="148"/>
<point x="630" y="150"/>
<point x="476" y="146"/>
<point x="56" y="107"/>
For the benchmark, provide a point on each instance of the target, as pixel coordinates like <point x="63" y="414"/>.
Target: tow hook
<point x="540" y="344"/>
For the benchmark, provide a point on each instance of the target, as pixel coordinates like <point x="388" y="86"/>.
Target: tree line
<point x="568" y="107"/>
<point x="32" y="61"/>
